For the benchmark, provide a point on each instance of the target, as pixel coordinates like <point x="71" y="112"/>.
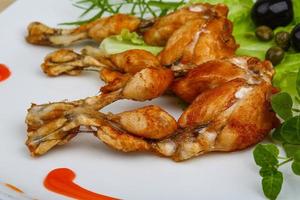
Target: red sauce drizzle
<point x="4" y="72"/>
<point x="61" y="181"/>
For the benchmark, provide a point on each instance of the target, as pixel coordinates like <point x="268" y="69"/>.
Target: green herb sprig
<point x="140" y="8"/>
<point x="288" y="135"/>
<point x="267" y="157"/>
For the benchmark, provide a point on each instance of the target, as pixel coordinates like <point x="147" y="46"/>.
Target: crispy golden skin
<point x="216" y="72"/>
<point x="164" y="27"/>
<point x="215" y="41"/>
<point x="41" y="34"/>
<point x="179" y="41"/>
<point x="133" y="61"/>
<point x="148" y="84"/>
<point x="121" y="140"/>
<point x="232" y="111"/>
<point x="197" y="42"/>
<point x="147" y="122"/>
<point x="230" y="117"/>
<point x="114" y="80"/>
<point x="138" y="72"/>
<point x="241" y="119"/>
<point x="140" y="81"/>
<point x="156" y="34"/>
<point x="229" y="96"/>
<point x="250" y="122"/>
<point x="210" y="104"/>
<point x="54" y="124"/>
<point x="67" y="61"/>
<point x="222" y="119"/>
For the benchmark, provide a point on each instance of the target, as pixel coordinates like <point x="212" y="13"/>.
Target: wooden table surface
<point x="5" y="3"/>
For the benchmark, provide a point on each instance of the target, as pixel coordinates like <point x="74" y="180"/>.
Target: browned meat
<point x="216" y="72"/>
<point x="41" y="34"/>
<point x="56" y="124"/>
<point x="230" y="96"/>
<point x="197" y="42"/>
<point x="230" y="117"/>
<point x="164" y="27"/>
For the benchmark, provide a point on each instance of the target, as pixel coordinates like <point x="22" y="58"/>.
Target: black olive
<point x="296" y="37"/>
<point x="264" y="33"/>
<point x="272" y="13"/>
<point x="283" y="39"/>
<point x="275" y="55"/>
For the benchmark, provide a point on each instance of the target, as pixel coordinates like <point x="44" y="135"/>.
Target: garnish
<point x="264" y="33"/>
<point x="275" y="55"/>
<point x="267" y="157"/>
<point x="288" y="134"/>
<point x="283" y="40"/>
<point x="141" y="8"/>
<point x="126" y="41"/>
<point x="127" y="36"/>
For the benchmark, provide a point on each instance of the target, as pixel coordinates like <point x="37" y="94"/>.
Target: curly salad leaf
<point x="126" y="41"/>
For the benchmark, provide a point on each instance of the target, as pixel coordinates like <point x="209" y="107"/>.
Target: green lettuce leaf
<point x="126" y="41"/>
<point x="130" y="37"/>
<point x="286" y="74"/>
<point x="296" y="5"/>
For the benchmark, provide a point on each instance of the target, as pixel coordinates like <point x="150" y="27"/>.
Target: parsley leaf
<point x="296" y="168"/>
<point x="272" y="185"/>
<point x="290" y="130"/>
<point x="266" y="155"/>
<point x="282" y="104"/>
<point x="290" y="149"/>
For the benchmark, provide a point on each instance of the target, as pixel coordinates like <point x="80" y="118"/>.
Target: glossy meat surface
<point x="197" y="42"/>
<point x="217" y="72"/>
<point x="97" y="30"/>
<point x="230" y="117"/>
<point x="164" y="27"/>
<point x="229" y="96"/>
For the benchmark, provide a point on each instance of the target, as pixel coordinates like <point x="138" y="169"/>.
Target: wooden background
<point x="4" y="4"/>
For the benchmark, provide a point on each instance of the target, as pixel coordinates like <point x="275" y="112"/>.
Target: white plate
<point x="99" y="168"/>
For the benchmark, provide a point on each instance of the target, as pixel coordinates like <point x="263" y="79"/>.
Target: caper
<point x="275" y="55"/>
<point x="264" y="33"/>
<point x="283" y="39"/>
